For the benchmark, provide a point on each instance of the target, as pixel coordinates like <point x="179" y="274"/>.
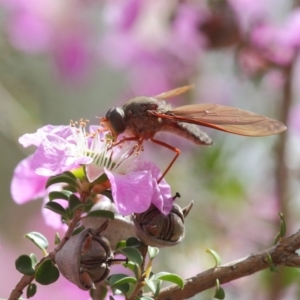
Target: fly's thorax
<point x="138" y="119"/>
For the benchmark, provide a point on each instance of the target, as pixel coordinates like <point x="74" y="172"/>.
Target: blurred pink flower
<point x="271" y="42"/>
<point x="52" y="27"/>
<point x="156" y="55"/>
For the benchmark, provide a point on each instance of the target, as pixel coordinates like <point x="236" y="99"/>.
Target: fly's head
<point x="114" y="121"/>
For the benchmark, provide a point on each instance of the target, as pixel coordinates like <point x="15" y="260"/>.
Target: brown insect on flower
<point x="142" y="117"/>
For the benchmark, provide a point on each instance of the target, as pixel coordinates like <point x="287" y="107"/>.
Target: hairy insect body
<point x="139" y="121"/>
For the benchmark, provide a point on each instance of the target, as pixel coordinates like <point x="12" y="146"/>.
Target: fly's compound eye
<point x="116" y="118"/>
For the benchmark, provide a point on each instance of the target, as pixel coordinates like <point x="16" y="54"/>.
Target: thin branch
<point x="281" y="254"/>
<point x="26" y="280"/>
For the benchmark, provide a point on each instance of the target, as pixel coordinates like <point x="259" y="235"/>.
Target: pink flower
<point x="61" y="148"/>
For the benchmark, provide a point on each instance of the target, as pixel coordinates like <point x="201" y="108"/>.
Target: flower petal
<point x="54" y="156"/>
<point x="132" y="193"/>
<point x="26" y="185"/>
<point x="162" y="197"/>
<point x="35" y="139"/>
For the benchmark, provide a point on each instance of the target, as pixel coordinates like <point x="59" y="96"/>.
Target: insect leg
<point x="176" y="150"/>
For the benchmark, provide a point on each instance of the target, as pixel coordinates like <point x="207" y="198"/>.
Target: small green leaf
<point x="154" y="285"/>
<point x="152" y="252"/>
<point x="77" y="230"/>
<point x="133" y="242"/>
<point x="220" y="293"/>
<point x="171" y="278"/>
<point x="33" y="259"/>
<point x="57" y="208"/>
<point x="59" y="195"/>
<point x="121" y="244"/>
<point x="46" y="273"/>
<point x="124" y="288"/>
<point x="132" y="254"/>
<point x="38" y="239"/>
<point x="102" y="214"/>
<point x="24" y="265"/>
<point x="62" y="179"/>
<point x="75" y="203"/>
<point x="101" y="179"/>
<point x="73" y="176"/>
<point x="124" y="280"/>
<point x="277" y="238"/>
<point x="282" y="225"/>
<point x="215" y="255"/>
<point x="56" y="238"/>
<point x="133" y="267"/>
<point x="31" y="290"/>
<point x="271" y="264"/>
<point x="145" y="298"/>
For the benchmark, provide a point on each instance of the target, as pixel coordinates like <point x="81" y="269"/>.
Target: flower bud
<point x="158" y="230"/>
<point x="85" y="259"/>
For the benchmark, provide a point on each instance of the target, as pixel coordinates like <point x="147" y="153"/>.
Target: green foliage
<point x="154" y="285"/>
<point x="39" y="240"/>
<point x="64" y="195"/>
<point x="216" y="257"/>
<point x="115" y="281"/>
<point x="65" y="177"/>
<point x="171" y="278"/>
<point x="133" y="242"/>
<point x="102" y="214"/>
<point x="31" y="290"/>
<point x="220" y="293"/>
<point x="57" y="208"/>
<point x="132" y="254"/>
<point x="46" y="272"/>
<point x="24" y="265"/>
<point x="75" y="203"/>
<point x="152" y="252"/>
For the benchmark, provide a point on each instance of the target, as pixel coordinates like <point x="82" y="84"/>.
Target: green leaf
<point x="59" y="195"/>
<point x="133" y="242"/>
<point x="215" y="255"/>
<point x="124" y="280"/>
<point x="271" y="264"/>
<point x="133" y="267"/>
<point x="102" y="214"/>
<point x="62" y="178"/>
<point x="46" y="273"/>
<point x="38" y="239"/>
<point x="145" y="298"/>
<point x="31" y="290"/>
<point x="75" y="203"/>
<point x="171" y="278"/>
<point x="73" y="176"/>
<point x="121" y="244"/>
<point x="57" y="208"/>
<point x="282" y="225"/>
<point x="24" y="265"/>
<point x="154" y="285"/>
<point x="115" y="278"/>
<point x="77" y="230"/>
<point x="101" y="179"/>
<point x="152" y="252"/>
<point x="220" y="293"/>
<point x="132" y="254"/>
<point x="124" y="288"/>
<point x="33" y="259"/>
<point x="56" y="239"/>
